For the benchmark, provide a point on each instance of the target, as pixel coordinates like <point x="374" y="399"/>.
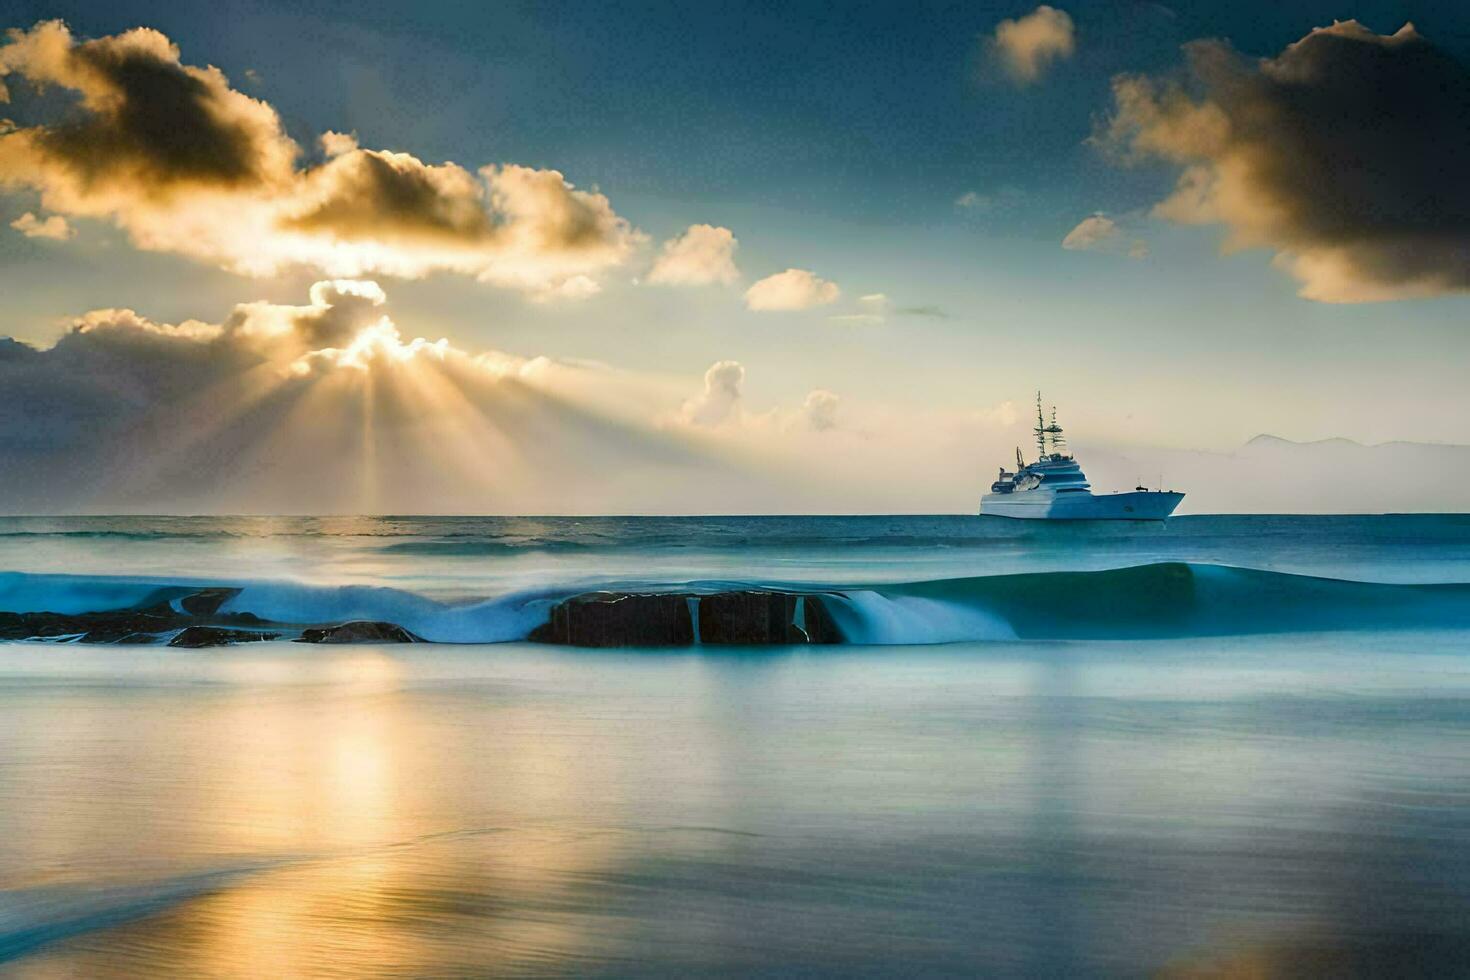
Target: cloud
<point x="573" y="289"/>
<point x="1028" y="45"/>
<point x="794" y="289"/>
<point x="328" y="407"/>
<point x="54" y="227"/>
<point x="1099" y="233"/>
<point x="335" y="144"/>
<point x="1004" y="198"/>
<point x="184" y="163"/>
<point x="319" y="407"/>
<point x="719" y="410"/>
<point x="874" y="310"/>
<point x="719" y="402"/>
<point x="1345" y="155"/>
<point x="820" y="409"/>
<point x="702" y="256"/>
<point x="336" y="312"/>
<point x="147" y="121"/>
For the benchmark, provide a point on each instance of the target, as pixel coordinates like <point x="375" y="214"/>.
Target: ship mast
<point x="1058" y="441"/>
<point x="1040" y="430"/>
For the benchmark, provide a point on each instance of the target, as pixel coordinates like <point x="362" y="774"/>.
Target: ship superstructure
<point x="1055" y="488"/>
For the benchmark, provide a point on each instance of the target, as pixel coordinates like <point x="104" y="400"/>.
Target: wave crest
<point x="1163" y="600"/>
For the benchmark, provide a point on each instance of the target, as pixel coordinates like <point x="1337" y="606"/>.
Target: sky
<point x="601" y="257"/>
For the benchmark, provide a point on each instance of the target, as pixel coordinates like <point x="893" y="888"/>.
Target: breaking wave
<point x="1162" y="600"/>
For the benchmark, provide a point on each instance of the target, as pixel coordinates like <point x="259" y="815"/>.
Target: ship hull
<point x="1139" y="506"/>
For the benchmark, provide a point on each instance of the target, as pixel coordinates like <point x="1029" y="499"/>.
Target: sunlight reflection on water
<point x="1102" y="808"/>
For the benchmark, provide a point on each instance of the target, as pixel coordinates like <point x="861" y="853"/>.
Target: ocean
<point x="1221" y="746"/>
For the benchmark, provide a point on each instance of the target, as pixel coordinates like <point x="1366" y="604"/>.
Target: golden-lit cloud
<point x="185" y="163"/>
<point x="720" y="407"/>
<point x="1099" y="233"/>
<point x="720" y="401"/>
<point x="1027" y="46"/>
<point x="794" y="289"/>
<point x="324" y="406"/>
<point x="704" y="255"/>
<point x="54" y="227"/>
<point x="1345" y="154"/>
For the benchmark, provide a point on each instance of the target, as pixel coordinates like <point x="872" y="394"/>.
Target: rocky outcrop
<point x="194" y="619"/>
<point x="744" y="617"/>
<point x="157" y="616"/>
<point x="765" y="619"/>
<point x="620" y="619"/>
<point x="359" y="631"/>
<point x="216" y="636"/>
<point x="206" y="602"/>
<point x="90" y="627"/>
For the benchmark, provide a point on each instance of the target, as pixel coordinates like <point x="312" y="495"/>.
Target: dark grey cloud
<point x="1346" y="154"/>
<point x="146" y="124"/>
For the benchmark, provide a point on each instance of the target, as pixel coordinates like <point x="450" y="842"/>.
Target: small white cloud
<point x="820" y="409"/>
<point x="720" y="400"/>
<point x="702" y="256"/>
<point x="336" y="144"/>
<point x="1028" y="45"/>
<point x="54" y="227"/>
<point x="1004" y="198"/>
<point x="1099" y="233"/>
<point x="571" y="289"/>
<point x="874" y="309"/>
<point x="794" y="289"/>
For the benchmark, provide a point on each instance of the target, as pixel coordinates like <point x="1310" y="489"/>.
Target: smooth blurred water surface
<point x="1254" y="806"/>
<point x="1258" y="805"/>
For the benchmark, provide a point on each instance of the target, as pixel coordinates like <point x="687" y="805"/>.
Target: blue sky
<point x="832" y="139"/>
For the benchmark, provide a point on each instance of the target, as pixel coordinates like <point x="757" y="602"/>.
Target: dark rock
<point x="816" y="622"/>
<point x="95" y="627"/>
<point x="215" y="636"/>
<point x="206" y="602"/>
<point x="748" y="617"/>
<point x="619" y="619"/>
<point x="131" y="626"/>
<point x="359" y="631"/>
<point x="240" y="619"/>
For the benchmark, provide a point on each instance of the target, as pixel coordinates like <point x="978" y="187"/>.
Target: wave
<point x="1176" y="599"/>
<point x="1163" y="600"/>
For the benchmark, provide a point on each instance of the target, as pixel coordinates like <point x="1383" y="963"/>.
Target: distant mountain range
<point x="1270" y="474"/>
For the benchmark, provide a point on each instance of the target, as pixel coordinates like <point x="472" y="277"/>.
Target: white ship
<point x="1055" y="488"/>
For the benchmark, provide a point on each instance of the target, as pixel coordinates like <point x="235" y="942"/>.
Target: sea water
<point x="1218" y="746"/>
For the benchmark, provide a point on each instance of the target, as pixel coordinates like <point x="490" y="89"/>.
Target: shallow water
<point x="1271" y="803"/>
<point x="1041" y="809"/>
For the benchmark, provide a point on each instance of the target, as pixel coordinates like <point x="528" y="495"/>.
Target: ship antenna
<point x="1040" y="429"/>
<point x="1058" y="441"/>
